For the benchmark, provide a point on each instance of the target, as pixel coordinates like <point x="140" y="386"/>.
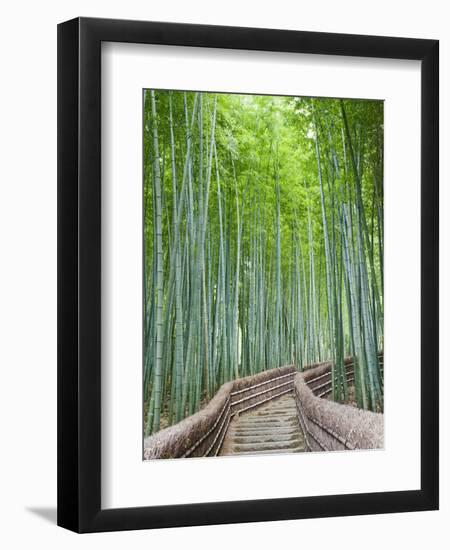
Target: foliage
<point x="263" y="241"/>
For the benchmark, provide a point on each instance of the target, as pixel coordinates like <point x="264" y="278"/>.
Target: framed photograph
<point x="247" y="274"/>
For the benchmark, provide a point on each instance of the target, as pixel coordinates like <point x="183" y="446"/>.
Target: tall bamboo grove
<point x="263" y="244"/>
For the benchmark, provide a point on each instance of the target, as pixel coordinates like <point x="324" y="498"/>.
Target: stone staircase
<point x="269" y="429"/>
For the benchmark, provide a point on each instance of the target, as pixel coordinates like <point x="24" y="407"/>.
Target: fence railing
<point x="331" y="426"/>
<point x="325" y="424"/>
<point x="322" y="385"/>
<point x="202" y="434"/>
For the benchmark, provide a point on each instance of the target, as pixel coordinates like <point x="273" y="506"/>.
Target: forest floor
<point x="165" y="412"/>
<point x="351" y="399"/>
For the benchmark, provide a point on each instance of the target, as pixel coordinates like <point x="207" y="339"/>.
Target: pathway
<point x="269" y="429"/>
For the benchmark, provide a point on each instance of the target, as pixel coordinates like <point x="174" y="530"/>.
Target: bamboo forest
<point x="263" y="245"/>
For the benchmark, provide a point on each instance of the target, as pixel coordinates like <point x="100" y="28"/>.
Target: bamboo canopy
<point x="263" y="241"/>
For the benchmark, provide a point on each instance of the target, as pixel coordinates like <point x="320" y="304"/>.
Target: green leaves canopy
<point x="271" y="235"/>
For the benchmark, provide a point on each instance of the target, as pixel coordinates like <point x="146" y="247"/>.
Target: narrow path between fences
<point x="276" y="411"/>
<point x="271" y="428"/>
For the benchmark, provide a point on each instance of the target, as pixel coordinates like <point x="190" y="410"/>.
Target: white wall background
<point x="28" y="269"/>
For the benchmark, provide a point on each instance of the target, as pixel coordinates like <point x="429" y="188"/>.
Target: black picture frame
<point x="79" y="274"/>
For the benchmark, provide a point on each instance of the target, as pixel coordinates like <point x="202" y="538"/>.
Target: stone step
<point x="272" y="428"/>
<point x="298" y="449"/>
<point x="266" y="438"/>
<point x="267" y="420"/>
<point x="275" y="414"/>
<point x="268" y="445"/>
<point x="265" y="430"/>
<point x="283" y="407"/>
<point x="269" y="426"/>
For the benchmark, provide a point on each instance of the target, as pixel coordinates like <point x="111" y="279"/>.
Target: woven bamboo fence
<point x="202" y="433"/>
<point x="327" y="426"/>
<point x="330" y="426"/>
